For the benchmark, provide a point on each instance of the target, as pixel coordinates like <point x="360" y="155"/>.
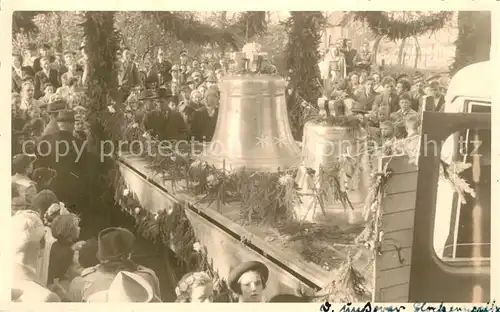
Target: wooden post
<point x="392" y="266"/>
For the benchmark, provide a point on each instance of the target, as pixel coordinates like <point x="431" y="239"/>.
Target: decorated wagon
<point x="250" y="194"/>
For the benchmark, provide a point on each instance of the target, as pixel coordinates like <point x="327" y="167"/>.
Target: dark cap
<point x="115" y="244"/>
<point x="244" y="267"/>
<point x="147" y="94"/>
<point x="184" y="52"/>
<point x="56" y="104"/>
<point x="66" y="116"/>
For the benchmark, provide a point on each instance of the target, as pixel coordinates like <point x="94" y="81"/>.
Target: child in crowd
<point x="64" y="90"/>
<point x="48" y="90"/>
<point x="66" y="230"/>
<point x="404" y="112"/>
<point x="387" y="138"/>
<point x="195" y="287"/>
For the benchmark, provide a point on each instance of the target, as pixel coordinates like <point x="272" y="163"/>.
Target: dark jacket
<point x="391" y="100"/>
<point x="364" y="100"/>
<point x="203" y="126"/>
<point x="166" y="126"/>
<point x="165" y="70"/>
<point x="36" y="63"/>
<point x="61" y="258"/>
<point x="17" y="81"/>
<point x="150" y="79"/>
<point x="70" y="183"/>
<point x="129" y="75"/>
<point x="41" y="78"/>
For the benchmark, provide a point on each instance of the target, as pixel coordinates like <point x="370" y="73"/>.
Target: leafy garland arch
<point x="381" y="24"/>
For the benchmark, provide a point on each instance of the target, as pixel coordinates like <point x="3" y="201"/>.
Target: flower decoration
<point x="197" y="247"/>
<point x="126" y="192"/>
<point x="111" y="109"/>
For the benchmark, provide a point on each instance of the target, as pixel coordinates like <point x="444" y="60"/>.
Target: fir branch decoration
<point x="302" y="58"/>
<point x="452" y="173"/>
<point x="101" y="40"/>
<point x="383" y="25"/>
<point x="170" y="227"/>
<point x="187" y="28"/>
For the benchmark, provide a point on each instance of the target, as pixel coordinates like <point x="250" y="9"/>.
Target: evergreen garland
<point x="101" y="44"/>
<point x="395" y="29"/>
<point x="474" y="39"/>
<point x="302" y="58"/>
<point x="187" y="28"/>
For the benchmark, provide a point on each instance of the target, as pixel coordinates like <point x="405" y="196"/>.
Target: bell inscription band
<point x="253" y="131"/>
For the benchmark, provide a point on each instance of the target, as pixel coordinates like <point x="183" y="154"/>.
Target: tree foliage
<point x="302" y="53"/>
<point x="301" y="58"/>
<point x="474" y="39"/>
<point x="188" y="28"/>
<point x="401" y="25"/>
<point x="22" y="22"/>
<point x="102" y="42"/>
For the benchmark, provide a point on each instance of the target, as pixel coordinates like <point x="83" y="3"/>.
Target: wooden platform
<point x="222" y="233"/>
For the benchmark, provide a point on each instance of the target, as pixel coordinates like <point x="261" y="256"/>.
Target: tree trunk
<point x="59" y="42"/>
<point x="401" y="50"/>
<point x="418" y="52"/>
<point x="375" y="48"/>
<point x="474" y="38"/>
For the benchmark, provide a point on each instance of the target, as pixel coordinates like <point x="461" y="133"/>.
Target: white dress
<point x="42" y="270"/>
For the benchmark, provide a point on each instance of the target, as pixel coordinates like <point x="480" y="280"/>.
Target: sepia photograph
<point x="251" y="156"/>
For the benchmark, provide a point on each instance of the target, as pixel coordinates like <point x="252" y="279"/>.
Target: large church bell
<point x="253" y="131"/>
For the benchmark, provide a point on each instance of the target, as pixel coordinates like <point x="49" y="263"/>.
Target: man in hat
<point x="45" y="75"/>
<point x="114" y="250"/>
<point x="66" y="154"/>
<point x="165" y="123"/>
<point x="55" y="105"/>
<point x="248" y="280"/>
<point x="163" y="67"/>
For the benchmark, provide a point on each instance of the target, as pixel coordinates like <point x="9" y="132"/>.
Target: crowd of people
<point x="52" y="264"/>
<point x="391" y="104"/>
<point x="169" y="101"/>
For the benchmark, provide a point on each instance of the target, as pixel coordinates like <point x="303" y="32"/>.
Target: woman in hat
<point x="130" y="287"/>
<point x="195" y="287"/>
<point x="22" y="167"/>
<point x="114" y="251"/>
<point x="248" y="280"/>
